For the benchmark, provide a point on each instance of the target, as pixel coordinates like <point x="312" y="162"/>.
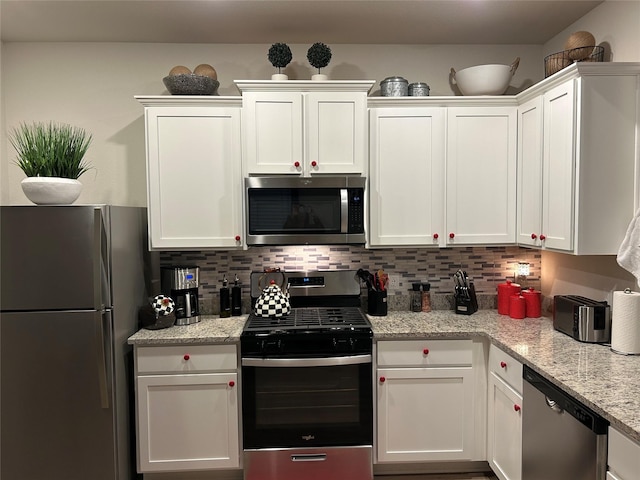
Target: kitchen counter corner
<point x="210" y="329"/>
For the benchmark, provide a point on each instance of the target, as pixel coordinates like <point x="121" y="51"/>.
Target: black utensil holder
<point x="466" y="304"/>
<point x="377" y="303"/>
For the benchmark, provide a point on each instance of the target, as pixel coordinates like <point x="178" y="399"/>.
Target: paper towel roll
<point x="625" y="323"/>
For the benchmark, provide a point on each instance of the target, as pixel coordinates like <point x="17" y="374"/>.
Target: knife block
<point x="466" y="304"/>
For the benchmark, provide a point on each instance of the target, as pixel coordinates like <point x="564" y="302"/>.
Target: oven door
<point x="307" y="402"/>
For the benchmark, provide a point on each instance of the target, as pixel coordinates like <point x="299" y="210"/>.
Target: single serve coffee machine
<point x="181" y="284"/>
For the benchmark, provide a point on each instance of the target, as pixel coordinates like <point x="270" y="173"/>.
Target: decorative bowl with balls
<point x="182" y="81"/>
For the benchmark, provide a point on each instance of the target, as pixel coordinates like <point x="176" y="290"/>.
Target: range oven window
<point x="289" y="210"/>
<point x="307" y="406"/>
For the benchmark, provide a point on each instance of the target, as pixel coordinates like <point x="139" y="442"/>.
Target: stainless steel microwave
<point x="305" y="210"/>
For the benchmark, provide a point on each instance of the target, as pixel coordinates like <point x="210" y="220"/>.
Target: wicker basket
<point x="557" y="61"/>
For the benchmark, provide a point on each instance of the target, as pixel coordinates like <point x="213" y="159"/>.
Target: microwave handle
<point x="344" y="210"/>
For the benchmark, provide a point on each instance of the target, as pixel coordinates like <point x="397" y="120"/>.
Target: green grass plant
<point x="51" y="149"/>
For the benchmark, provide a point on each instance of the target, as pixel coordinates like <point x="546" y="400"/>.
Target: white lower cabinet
<point x="187" y="408"/>
<point x="623" y="457"/>
<point x="504" y="415"/>
<point x="427" y="401"/>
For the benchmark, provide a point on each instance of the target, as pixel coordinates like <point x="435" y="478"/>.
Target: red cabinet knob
<point x="232" y="383"/>
<point x="517" y="407"/>
<point x="425" y="351"/>
<point x="542" y="237"/>
<point x="382" y="379"/>
<point x="533" y="236"/>
<point x="314" y="164"/>
<point x="186" y="357"/>
<point x="296" y="164"/>
<point x="435" y="236"/>
<point x="503" y="364"/>
<point x="452" y="235"/>
<point x="237" y="238"/>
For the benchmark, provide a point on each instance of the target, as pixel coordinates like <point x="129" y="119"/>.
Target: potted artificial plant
<point x="279" y="55"/>
<point x="319" y="56"/>
<point x="51" y="155"/>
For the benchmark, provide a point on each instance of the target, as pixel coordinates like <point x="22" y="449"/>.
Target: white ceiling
<point x="290" y="21"/>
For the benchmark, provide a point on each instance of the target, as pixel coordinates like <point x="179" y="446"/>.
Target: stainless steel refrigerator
<point x="72" y="279"/>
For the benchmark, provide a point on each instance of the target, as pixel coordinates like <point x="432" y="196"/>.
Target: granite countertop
<point x="608" y="383"/>
<point x="210" y="329"/>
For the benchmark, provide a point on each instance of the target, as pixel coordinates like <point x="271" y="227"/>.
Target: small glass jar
<point x="416" y="298"/>
<point x="426" y="297"/>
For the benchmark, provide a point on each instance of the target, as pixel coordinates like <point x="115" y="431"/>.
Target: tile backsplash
<point x="486" y="266"/>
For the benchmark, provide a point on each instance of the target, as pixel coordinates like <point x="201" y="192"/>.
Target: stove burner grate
<point x="310" y="318"/>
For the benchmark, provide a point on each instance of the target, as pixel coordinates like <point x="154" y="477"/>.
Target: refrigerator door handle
<point x="101" y="273"/>
<point x="97" y="259"/>
<point x="102" y="358"/>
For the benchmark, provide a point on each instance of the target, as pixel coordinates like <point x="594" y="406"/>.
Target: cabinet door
<point x="335" y="132"/>
<point x="272" y="131"/>
<point x="504" y="442"/>
<point x="187" y="422"/>
<point x="530" y="172"/>
<point x="425" y="414"/>
<point x="558" y="167"/>
<point x="481" y="175"/>
<point x="406" y="195"/>
<point x="194" y="177"/>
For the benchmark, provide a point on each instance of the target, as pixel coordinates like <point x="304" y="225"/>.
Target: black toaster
<point x="582" y="318"/>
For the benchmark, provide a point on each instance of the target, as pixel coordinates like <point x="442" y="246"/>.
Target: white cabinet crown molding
<point x="188" y="100"/>
<point x="443" y="101"/>
<point x="304" y="85"/>
<point x="576" y="70"/>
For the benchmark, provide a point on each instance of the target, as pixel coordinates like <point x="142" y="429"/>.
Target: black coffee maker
<point x="181" y="284"/>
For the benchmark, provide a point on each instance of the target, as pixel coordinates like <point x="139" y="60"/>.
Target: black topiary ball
<point x="280" y="55"/>
<point x="319" y="55"/>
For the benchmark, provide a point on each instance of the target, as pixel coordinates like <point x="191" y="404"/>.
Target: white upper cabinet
<point x="305" y="127"/>
<point x="194" y="175"/>
<point x="406" y="176"/>
<point x="481" y="175"/>
<point x="577" y="159"/>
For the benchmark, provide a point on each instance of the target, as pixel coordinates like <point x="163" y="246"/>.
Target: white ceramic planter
<point x="319" y="77"/>
<point x="51" y="190"/>
<point x="279" y="77"/>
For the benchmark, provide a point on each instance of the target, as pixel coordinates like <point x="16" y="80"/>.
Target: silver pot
<point x="394" y="87"/>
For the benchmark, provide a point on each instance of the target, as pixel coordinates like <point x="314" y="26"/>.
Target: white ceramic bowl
<point x="51" y="190"/>
<point x="484" y="79"/>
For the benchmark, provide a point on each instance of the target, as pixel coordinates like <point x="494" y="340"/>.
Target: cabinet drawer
<point x="424" y="353"/>
<point x="624" y="455"/>
<point x="186" y="358"/>
<point x="506" y="367"/>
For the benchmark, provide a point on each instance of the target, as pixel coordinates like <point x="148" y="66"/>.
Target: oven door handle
<point x="306" y="362"/>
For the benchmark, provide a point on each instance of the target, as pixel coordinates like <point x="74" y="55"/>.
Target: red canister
<point x="532" y="302"/>
<point x="517" y="307"/>
<point x="505" y="292"/>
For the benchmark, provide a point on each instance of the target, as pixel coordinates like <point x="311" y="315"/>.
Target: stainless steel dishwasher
<point x="562" y="439"/>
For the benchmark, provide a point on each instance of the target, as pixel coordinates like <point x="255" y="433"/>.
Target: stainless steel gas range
<point x="307" y="383"/>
